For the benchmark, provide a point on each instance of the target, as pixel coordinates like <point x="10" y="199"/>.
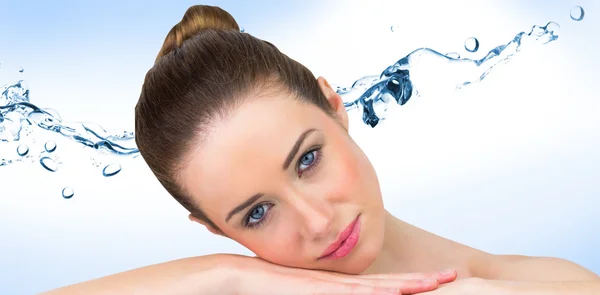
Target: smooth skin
<point x="306" y="180"/>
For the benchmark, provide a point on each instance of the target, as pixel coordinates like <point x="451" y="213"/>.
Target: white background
<point x="509" y="165"/>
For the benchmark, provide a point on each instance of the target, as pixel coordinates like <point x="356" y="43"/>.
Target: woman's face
<point x="284" y="179"/>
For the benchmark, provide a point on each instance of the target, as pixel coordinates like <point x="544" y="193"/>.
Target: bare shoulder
<point x="430" y="251"/>
<point x="521" y="267"/>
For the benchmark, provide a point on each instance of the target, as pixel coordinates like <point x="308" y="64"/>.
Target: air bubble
<point x="454" y="55"/>
<point x="49" y="164"/>
<point x="395" y="28"/>
<point x="68" y="192"/>
<point x="577" y="13"/>
<point x="22" y="150"/>
<point x="552" y="27"/>
<point x="21" y="70"/>
<point x="472" y="44"/>
<point x="111" y="169"/>
<point x="50" y="146"/>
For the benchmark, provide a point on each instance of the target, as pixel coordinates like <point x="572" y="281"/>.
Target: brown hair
<point x="205" y="68"/>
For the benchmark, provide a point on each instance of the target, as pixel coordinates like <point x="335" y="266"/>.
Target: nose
<point x="316" y="214"/>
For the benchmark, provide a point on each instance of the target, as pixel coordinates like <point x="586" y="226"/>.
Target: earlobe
<point x="335" y="100"/>
<point x="210" y="228"/>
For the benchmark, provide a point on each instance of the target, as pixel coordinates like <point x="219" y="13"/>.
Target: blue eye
<point x="307" y="160"/>
<point x="257" y="215"/>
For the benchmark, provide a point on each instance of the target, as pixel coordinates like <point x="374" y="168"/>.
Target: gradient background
<point x="509" y="165"/>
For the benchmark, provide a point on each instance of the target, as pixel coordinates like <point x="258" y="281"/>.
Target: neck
<point x="408" y="249"/>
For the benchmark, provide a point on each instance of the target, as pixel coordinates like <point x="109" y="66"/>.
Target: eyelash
<point x="262" y="221"/>
<point x="315" y="163"/>
<point x="265" y="218"/>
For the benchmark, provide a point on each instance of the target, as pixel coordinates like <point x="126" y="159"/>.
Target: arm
<point x="231" y="274"/>
<point x="524" y="268"/>
<point x="522" y="275"/>
<point x="180" y="277"/>
<point x="545" y="288"/>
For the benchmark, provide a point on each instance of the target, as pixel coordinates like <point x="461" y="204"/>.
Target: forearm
<point x="523" y="268"/>
<point x="546" y="288"/>
<point x="206" y="274"/>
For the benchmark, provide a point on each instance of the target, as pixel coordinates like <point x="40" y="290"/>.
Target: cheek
<point x="279" y="245"/>
<point x="346" y="170"/>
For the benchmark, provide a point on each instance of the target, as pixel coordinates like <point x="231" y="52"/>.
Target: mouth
<point x="345" y="243"/>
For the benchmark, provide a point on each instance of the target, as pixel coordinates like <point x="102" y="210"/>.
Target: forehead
<point x="244" y="152"/>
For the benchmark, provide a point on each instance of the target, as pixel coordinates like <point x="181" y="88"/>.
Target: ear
<point x="335" y="100"/>
<point x="208" y="226"/>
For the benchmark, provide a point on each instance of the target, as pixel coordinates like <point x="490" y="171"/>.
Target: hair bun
<point x="196" y="19"/>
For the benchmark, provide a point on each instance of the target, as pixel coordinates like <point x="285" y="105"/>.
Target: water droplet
<point x="395" y="28"/>
<point x="472" y="44"/>
<point x="50" y="146"/>
<point x="111" y="169"/>
<point x="49" y="164"/>
<point x="95" y="162"/>
<point x="577" y="13"/>
<point x="453" y="55"/>
<point x="21" y="70"/>
<point x="22" y="150"/>
<point x="242" y="30"/>
<point x="67" y="192"/>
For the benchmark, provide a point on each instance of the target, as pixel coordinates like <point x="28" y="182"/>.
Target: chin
<point x="366" y="252"/>
<point x="360" y="262"/>
<point x="369" y="254"/>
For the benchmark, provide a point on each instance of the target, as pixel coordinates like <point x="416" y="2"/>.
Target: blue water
<point x="72" y="226"/>
<point x="371" y="95"/>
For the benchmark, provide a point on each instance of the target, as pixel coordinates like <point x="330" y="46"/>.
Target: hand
<point x="264" y="278"/>
<point x="468" y="286"/>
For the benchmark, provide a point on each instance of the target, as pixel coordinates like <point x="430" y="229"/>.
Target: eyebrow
<point x="286" y="165"/>
<point x="296" y="147"/>
<point x="243" y="206"/>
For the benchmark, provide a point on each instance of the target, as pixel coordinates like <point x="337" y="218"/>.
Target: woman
<point x="258" y="151"/>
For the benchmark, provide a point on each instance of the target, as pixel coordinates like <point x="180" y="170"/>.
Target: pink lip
<point x="345" y="242"/>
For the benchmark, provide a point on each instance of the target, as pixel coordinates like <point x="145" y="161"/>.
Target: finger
<point x="327" y="288"/>
<point x="383" y="280"/>
<point x="445" y="276"/>
<point x="417" y="286"/>
<point x="403" y="286"/>
<point x="386" y="276"/>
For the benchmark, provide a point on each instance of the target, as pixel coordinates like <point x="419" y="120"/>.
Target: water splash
<point x="370" y="94"/>
<point x="412" y="74"/>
